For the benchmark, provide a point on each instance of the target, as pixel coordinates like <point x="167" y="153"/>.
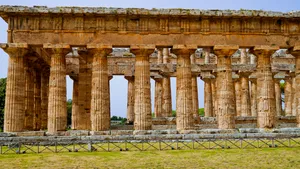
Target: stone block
<point x="121" y="132"/>
<point x="78" y="132"/>
<point x="100" y="133"/>
<point x="30" y="133"/>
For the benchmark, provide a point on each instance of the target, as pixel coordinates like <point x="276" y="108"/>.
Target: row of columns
<point x="139" y="101"/>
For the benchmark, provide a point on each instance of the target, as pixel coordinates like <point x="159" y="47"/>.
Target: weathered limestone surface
<point x="245" y="94"/>
<point x="278" y="97"/>
<point x="294" y="104"/>
<point x="29" y="97"/>
<point x="142" y="98"/>
<point x="214" y="97"/>
<point x="266" y="109"/>
<point x="208" y="100"/>
<point x="296" y="53"/>
<point x="158" y="89"/>
<point x="288" y="96"/>
<point x="84" y="86"/>
<point x="225" y="90"/>
<point x="253" y="98"/>
<point x="195" y="101"/>
<point x="130" y="100"/>
<point x="57" y="106"/>
<point x="158" y="98"/>
<point x="166" y="88"/>
<point x="237" y="92"/>
<point x="14" y="114"/>
<point x="100" y="107"/>
<point x="184" y="103"/>
<point x="44" y="98"/>
<point x="37" y="101"/>
<point x="75" y="106"/>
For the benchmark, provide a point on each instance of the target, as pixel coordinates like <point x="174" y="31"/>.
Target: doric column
<point x="57" y="103"/>
<point x="29" y="96"/>
<point x="288" y="96"/>
<point x="295" y="51"/>
<point x="184" y="103"/>
<point x="195" y="94"/>
<point x="294" y="104"/>
<point x="75" y="106"/>
<point x="44" y="97"/>
<point x="277" y="97"/>
<point x="266" y="108"/>
<point x="142" y="98"/>
<point x="237" y="93"/>
<point x="245" y="94"/>
<point x="100" y="105"/>
<point x="158" y="98"/>
<point x="208" y="100"/>
<point x="158" y="89"/>
<point x="14" y="114"/>
<point x="37" y="101"/>
<point x="253" y="98"/>
<point x="225" y="88"/>
<point x="130" y="99"/>
<point x="166" y="88"/>
<point x="83" y="118"/>
<point x="214" y="97"/>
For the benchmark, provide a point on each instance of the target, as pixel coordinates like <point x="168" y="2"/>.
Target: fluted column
<point x="29" y="96"/>
<point x="294" y="104"/>
<point x="142" y="98"/>
<point x="14" y="114"/>
<point x="253" y="98"/>
<point x="278" y="97"/>
<point x="295" y="51"/>
<point x="184" y="103"/>
<point x="83" y="117"/>
<point x="44" y="97"/>
<point x="225" y="88"/>
<point x="57" y="100"/>
<point x="130" y="99"/>
<point x="245" y="95"/>
<point x="206" y="55"/>
<point x="237" y="92"/>
<point x="158" y="98"/>
<point x="75" y="106"/>
<point x="208" y="102"/>
<point x="266" y="107"/>
<point x="214" y="97"/>
<point x="288" y="96"/>
<point x="166" y="88"/>
<point x="100" y="105"/>
<point x="37" y="101"/>
<point x="195" y="94"/>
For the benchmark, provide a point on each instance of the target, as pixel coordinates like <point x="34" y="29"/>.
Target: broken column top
<point x="5" y="9"/>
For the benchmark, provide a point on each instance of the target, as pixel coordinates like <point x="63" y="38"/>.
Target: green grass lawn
<point x="221" y="158"/>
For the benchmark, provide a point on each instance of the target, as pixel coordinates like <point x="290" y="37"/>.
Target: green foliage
<point x="173" y="113"/>
<point x="2" y="101"/>
<point x="69" y="112"/>
<point x="282" y="84"/>
<point x="201" y="111"/>
<point x="118" y="118"/>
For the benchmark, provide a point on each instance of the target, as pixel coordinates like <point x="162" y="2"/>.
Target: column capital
<point x="159" y="56"/>
<point x="15" y="49"/>
<point x="263" y="50"/>
<point x="53" y="49"/>
<point x="225" y="50"/>
<point x="142" y="49"/>
<point x="99" y="49"/>
<point x="180" y="49"/>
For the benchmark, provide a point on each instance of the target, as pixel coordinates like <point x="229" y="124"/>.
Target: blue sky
<point x="119" y="84"/>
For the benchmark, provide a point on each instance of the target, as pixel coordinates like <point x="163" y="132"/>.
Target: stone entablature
<point x="118" y="25"/>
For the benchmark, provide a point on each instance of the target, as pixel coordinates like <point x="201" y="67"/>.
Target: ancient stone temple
<point x="242" y="56"/>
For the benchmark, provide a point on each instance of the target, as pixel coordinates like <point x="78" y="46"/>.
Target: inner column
<point x="142" y="98"/>
<point x="266" y="107"/>
<point x="100" y="104"/>
<point x="184" y="104"/>
<point x="225" y="90"/>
